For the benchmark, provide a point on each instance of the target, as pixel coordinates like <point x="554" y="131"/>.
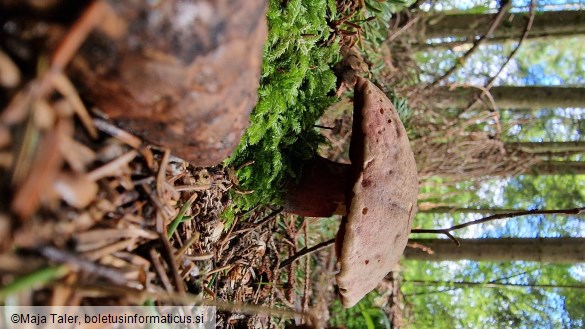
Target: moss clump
<point x="295" y="89"/>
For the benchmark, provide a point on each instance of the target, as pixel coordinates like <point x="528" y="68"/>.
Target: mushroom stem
<point x="321" y="192"/>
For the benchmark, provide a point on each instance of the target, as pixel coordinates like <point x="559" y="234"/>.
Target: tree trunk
<point x="510" y="97"/>
<point x="451" y="210"/>
<point x="546" y="24"/>
<point x="547" y="151"/>
<point x="557" y="168"/>
<point x="546" y="250"/>
<point x="497" y="285"/>
<point x="548" y="147"/>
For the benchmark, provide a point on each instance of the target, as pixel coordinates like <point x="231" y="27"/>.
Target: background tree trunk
<point x="546" y="24"/>
<point x="548" y="147"/>
<point x="557" y="168"/>
<point x="450" y="210"/>
<point x="547" y="250"/>
<point x="511" y="97"/>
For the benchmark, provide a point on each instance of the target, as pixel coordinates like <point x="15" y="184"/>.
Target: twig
<point x="90" y="18"/>
<point x="461" y="61"/>
<point x="63" y="85"/>
<point x="516" y="274"/>
<point x="168" y="255"/>
<point x="118" y="133"/>
<point x="306" y="292"/>
<point x="268" y="218"/>
<point x="112" y="168"/>
<point x="79" y="264"/>
<point x="219" y="269"/>
<point x="484" y="90"/>
<point x="160" y="270"/>
<point x="404" y="28"/>
<point x="447" y="231"/>
<point x="305" y="251"/>
<point x="489" y="85"/>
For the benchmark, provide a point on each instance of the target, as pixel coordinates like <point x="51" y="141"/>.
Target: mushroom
<point x="377" y="194"/>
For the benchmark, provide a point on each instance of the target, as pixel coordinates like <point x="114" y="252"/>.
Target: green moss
<point x="295" y="89"/>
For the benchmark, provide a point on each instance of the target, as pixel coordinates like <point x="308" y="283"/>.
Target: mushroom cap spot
<point x="387" y="164"/>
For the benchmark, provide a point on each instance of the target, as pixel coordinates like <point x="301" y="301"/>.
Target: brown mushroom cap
<point x="374" y="234"/>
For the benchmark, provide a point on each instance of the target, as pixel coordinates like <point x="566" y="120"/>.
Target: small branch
<point x="447" y="231"/>
<point x="461" y="61"/>
<point x="306" y="290"/>
<point x="168" y="255"/>
<point x="524" y="36"/>
<point x="306" y="251"/>
<point x="78" y="263"/>
<point x="404" y="28"/>
<point x="268" y="218"/>
<point x="506" y="278"/>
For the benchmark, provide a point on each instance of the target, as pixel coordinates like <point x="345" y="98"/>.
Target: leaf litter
<point x="85" y="204"/>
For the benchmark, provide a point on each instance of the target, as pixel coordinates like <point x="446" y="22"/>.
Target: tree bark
<point x="546" y="250"/>
<point x="511" y="97"/>
<point x="557" y="168"/>
<point x="497" y="285"/>
<point x="548" y="147"/>
<point x="547" y="151"/>
<point x="546" y="24"/>
<point x="450" y="210"/>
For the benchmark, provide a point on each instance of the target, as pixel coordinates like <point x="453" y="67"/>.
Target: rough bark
<point x="548" y="147"/>
<point x="450" y="210"/>
<point x="546" y="250"/>
<point x="557" y="168"/>
<point x="511" y="97"/>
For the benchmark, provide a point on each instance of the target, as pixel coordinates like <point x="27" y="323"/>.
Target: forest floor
<point x="121" y="217"/>
<point x="111" y="217"/>
<point x="89" y="215"/>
